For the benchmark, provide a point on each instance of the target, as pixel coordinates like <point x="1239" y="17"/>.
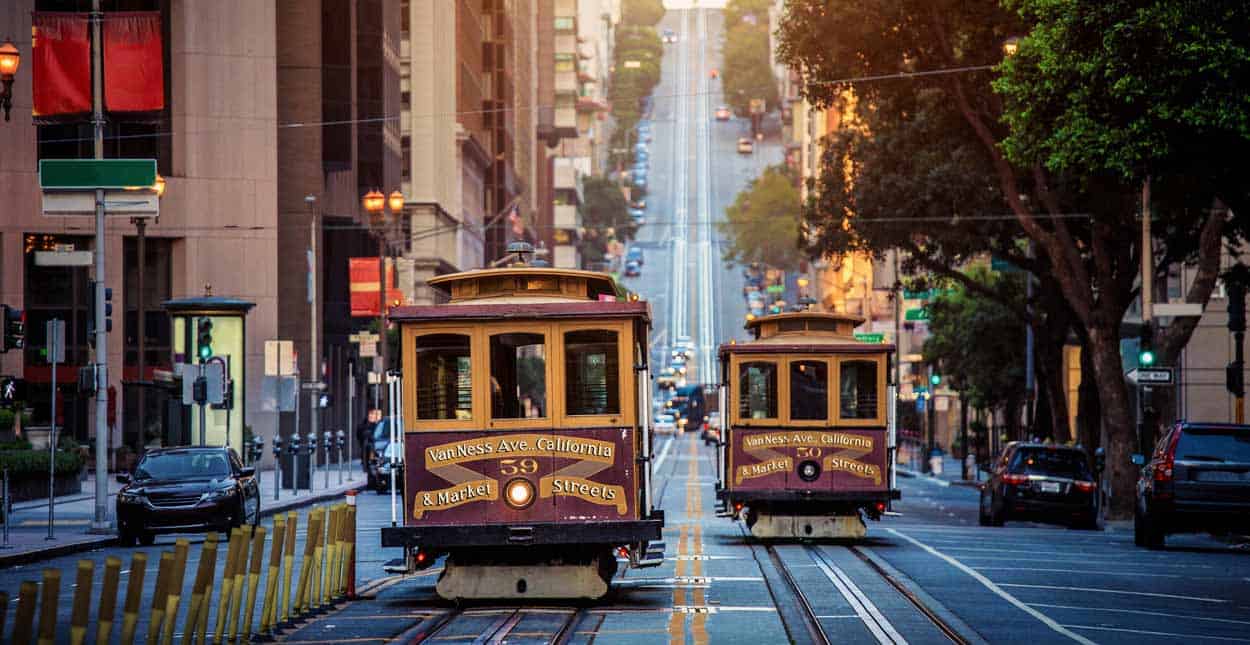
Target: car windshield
<point x="183" y="465"/>
<point x="1058" y="463"/>
<point x="1214" y="444"/>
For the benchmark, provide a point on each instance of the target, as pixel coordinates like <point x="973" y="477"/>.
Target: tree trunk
<point x="1088" y="412"/>
<point x="1119" y="426"/>
<point x="1057" y="399"/>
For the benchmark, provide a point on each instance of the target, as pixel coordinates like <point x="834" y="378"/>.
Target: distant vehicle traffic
<point x="669" y="36"/>
<point x="638" y="216"/>
<point x="689" y="406"/>
<point x="664" y="424"/>
<point x="638" y="203"/>
<point x="632" y="269"/>
<point x="634" y="254"/>
<point x="666" y="379"/>
<point x="1041" y="482"/>
<point x="723" y="113"/>
<point x="745" y="146"/>
<point x="190" y="489"/>
<point x="711" y="428"/>
<point x="1196" y="480"/>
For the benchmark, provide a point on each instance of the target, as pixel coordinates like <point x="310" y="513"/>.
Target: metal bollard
<point x="48" y="606"/>
<point x="342" y="439"/>
<point x="157" y="616"/>
<point x="327" y="444"/>
<point x="253" y="580"/>
<point x="108" y="599"/>
<point x="173" y="595"/>
<point x="82" y="603"/>
<point x="240" y="573"/>
<point x="277" y="466"/>
<point x="203" y="573"/>
<point x="24" y="620"/>
<point x="293" y="448"/>
<point x="351" y="545"/>
<point x="310" y="441"/>
<point x="269" y="607"/>
<point x="134" y="597"/>
<point x="227" y="585"/>
<point x="206" y="599"/>
<point x="288" y="564"/>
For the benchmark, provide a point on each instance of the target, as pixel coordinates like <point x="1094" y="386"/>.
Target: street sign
<point x="368" y="350"/>
<point x="870" y="338"/>
<point x="921" y="313"/>
<point x="1150" y="376"/>
<point x="775" y="288"/>
<point x="364" y="337"/>
<point x="279" y="358"/>
<point x="63" y="258"/>
<point x="117" y="203"/>
<point x="55" y="330"/>
<point x="1176" y="309"/>
<point x="92" y="174"/>
<point x="215" y="374"/>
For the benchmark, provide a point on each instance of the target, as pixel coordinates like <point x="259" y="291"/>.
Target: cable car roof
<point x="805" y="331"/>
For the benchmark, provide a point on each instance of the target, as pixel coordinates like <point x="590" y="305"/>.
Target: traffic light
<point x="935" y="379"/>
<point x="14" y="329"/>
<point x="1236" y="307"/>
<point x="205" y="338"/>
<point x="199" y="390"/>
<point x="108" y="311"/>
<point x="1146" y="352"/>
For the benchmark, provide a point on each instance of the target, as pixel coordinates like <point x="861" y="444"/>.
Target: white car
<point x="664" y="424"/>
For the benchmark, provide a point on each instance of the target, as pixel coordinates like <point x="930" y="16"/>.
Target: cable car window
<point x="444" y="379"/>
<point x="518" y="376"/>
<point x="592" y="372"/>
<point x="809" y="391"/>
<point x="858" y="396"/>
<point x="757" y="398"/>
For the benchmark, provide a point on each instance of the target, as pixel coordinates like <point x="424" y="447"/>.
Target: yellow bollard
<point x="253" y="580"/>
<point x="288" y="564"/>
<point x="82" y="603"/>
<point x="208" y="560"/>
<point x="163" y="572"/>
<point x="227" y="585"/>
<point x="328" y="575"/>
<point x="271" y="580"/>
<point x="173" y="595"/>
<point x="350" y="584"/>
<point x="236" y="589"/>
<point x="301" y="591"/>
<point x="314" y="598"/>
<point x="48" y="606"/>
<point x="206" y="599"/>
<point x="24" y="620"/>
<point x="108" y="599"/>
<point x="134" y="597"/>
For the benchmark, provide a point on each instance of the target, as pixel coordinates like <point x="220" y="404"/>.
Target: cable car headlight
<point x="518" y="493"/>
<point x="809" y="471"/>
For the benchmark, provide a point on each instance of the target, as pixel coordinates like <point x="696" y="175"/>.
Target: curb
<point x="56" y="551"/>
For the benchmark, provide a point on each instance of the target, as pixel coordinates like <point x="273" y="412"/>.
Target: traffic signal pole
<point x="1147" y="309"/>
<point x="100" y="522"/>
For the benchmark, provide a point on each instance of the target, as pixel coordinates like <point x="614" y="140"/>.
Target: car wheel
<point x="1146" y="531"/>
<point x="126" y="537"/>
<point x="147" y="538"/>
<point x="983" y="518"/>
<point x="998" y="516"/>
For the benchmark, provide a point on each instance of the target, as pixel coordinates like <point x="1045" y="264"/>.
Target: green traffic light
<point x="1146" y="357"/>
<point x="935" y="379"/>
<point x="206" y="352"/>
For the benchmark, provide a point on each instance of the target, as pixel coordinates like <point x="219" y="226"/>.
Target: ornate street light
<point x="1011" y="46"/>
<point x="373" y="201"/>
<point x="396" y="201"/>
<point x="10" y="60"/>
<point x="159" y="186"/>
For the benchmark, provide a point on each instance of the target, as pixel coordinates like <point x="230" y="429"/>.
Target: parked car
<point x="634" y="254"/>
<point x="640" y="204"/>
<point x="186" y="489"/>
<point x="1196" y="480"/>
<point x="382" y="457"/>
<point x="1041" y="482"/>
<point x="640" y="181"/>
<point x="711" y="428"/>
<point x="638" y="216"/>
<point x="664" y="424"/>
<point x="632" y="269"/>
<point x="723" y="113"/>
<point x="745" y="146"/>
<point x="667" y="378"/>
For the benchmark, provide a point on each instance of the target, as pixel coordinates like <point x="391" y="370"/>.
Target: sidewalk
<point x="72" y="514"/>
<point x="951" y="474"/>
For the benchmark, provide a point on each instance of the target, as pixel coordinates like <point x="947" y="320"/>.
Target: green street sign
<point x="775" y="288"/>
<point x="915" y="295"/>
<point x="921" y="313"/>
<point x="90" y="174"/>
<point x="870" y="338"/>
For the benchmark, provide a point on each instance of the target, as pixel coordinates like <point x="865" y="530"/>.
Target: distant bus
<point x="688" y="405"/>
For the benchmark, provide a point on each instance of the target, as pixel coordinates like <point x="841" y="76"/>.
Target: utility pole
<point x="1147" y="310"/>
<point x="141" y="226"/>
<point x="101" y="522"/>
<point x="314" y="367"/>
<point x="1235" y="374"/>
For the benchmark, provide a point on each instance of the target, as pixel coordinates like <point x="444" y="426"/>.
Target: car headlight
<point x="217" y="494"/>
<point x="129" y="497"/>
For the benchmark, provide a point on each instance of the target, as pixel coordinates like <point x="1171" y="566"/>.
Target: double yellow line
<point x="690" y="542"/>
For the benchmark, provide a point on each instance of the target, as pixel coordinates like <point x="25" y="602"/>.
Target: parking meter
<point x="293" y="448"/>
<point x="277" y="466"/>
<point x="327" y="444"/>
<point x="342" y="442"/>
<point x="311" y="442"/>
<point x="258" y="449"/>
<point x="277" y="448"/>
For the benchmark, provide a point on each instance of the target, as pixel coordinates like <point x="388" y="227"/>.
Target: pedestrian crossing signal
<point x="14" y="329"/>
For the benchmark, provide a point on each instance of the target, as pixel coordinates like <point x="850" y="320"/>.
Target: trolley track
<point x="495" y="625"/>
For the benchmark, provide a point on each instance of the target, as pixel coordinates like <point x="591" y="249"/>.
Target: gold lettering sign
<point x="584" y="489"/>
<point x="805" y="439"/>
<point x="480" y="490"/>
<point x="520" y="445"/>
<point x="857" y="468"/>
<point x="763" y="469"/>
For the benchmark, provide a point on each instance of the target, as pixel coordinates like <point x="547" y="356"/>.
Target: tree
<point x="736" y="11"/>
<point x="747" y="51"/>
<point x="641" y="12"/>
<point x="1081" y="219"/>
<point x="605" y="216"/>
<point x="763" y="222"/>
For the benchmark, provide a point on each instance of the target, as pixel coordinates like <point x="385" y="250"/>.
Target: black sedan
<point x="174" y="490"/>
<point x="1041" y="482"/>
<point x="382" y="458"/>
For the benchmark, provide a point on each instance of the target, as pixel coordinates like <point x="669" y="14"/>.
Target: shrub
<point x="7" y="420"/>
<point x="25" y="464"/>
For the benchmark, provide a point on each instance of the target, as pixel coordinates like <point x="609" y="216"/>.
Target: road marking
<point x="1153" y="633"/>
<point x="864" y="608"/>
<point x="1087" y="572"/>
<point x="1143" y="612"/>
<point x="659" y="461"/>
<point x="999" y="591"/>
<point x="1115" y="591"/>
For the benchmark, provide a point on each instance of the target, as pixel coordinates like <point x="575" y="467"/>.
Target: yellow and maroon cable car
<point x="526" y="451"/>
<point x="807" y="448"/>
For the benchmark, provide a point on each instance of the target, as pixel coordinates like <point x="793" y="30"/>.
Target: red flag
<point x="62" y="59"/>
<point x="363" y="282"/>
<point x="134" y="69"/>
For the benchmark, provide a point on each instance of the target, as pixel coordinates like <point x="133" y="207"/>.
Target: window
<point x="518" y="376"/>
<point x="564" y="23"/>
<point x="758" y="397"/>
<point x="592" y="372"/>
<point x="858" y="382"/>
<point x="444" y="377"/>
<point x="809" y="391"/>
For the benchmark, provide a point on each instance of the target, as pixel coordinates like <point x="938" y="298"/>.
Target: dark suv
<point x="1197" y="480"/>
<point x="1041" y="482"/>
<point x="175" y="490"/>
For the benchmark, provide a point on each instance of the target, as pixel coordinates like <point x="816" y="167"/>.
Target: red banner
<point x="62" y="63"/>
<point x="363" y="277"/>
<point x="134" y="69"/>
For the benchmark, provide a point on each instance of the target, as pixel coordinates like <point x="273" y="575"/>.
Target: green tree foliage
<point x="632" y="84"/>
<point x="605" y="217"/>
<point x="747" y="74"/>
<point x="763" y="222"/>
<point x="641" y="12"/>
<point x="978" y="342"/>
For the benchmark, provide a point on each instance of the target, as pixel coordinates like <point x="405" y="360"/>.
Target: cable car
<point x="808" y="439"/>
<point x="526" y="407"/>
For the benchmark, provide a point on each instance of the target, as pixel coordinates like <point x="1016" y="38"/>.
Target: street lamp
<point x="159" y="186"/>
<point x="10" y="60"/>
<point x="375" y="204"/>
<point x="1011" y="46"/>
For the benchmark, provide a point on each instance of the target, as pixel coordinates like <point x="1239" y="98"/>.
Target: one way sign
<point x="1150" y="375"/>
